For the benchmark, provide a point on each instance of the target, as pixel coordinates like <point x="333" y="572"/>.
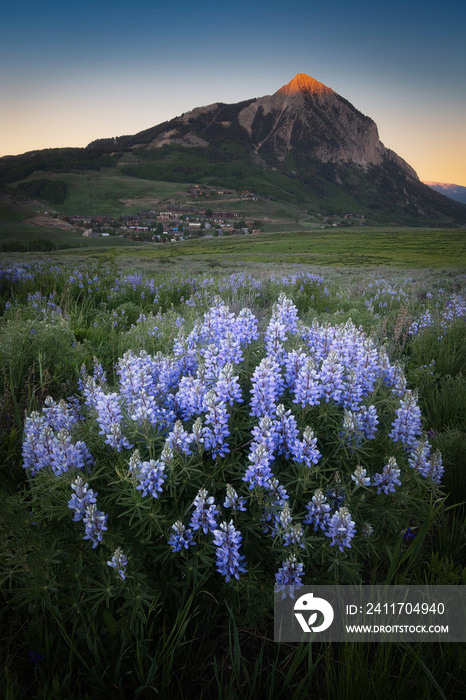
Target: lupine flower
<point x="389" y="478"/>
<point x="290" y="534"/>
<point x="258" y="472"/>
<point x="331" y="377"/>
<point x="407" y="424"/>
<point x="318" y="511"/>
<point x="95" y="523"/>
<point x="216" y="430"/>
<point x="305" y="450"/>
<point x="294" y="361"/>
<point x="179" y="440"/>
<point x="197" y="433"/>
<point x="233" y="501"/>
<point x="289" y="576"/>
<point x="82" y="498"/>
<point x="341" y="529"/>
<point x="287" y="431"/>
<point x="227" y="541"/>
<point x="336" y="496"/>
<point x="119" y="562"/>
<point x="367" y="530"/>
<point x="180" y="537"/>
<point x="275" y="335"/>
<point x="151" y="476"/>
<point x="205" y="513"/>
<point x="419" y="457"/>
<point x="36" y="657"/>
<point x="265" y="434"/>
<point x="308" y="388"/>
<point x="227" y="386"/>
<point x="267" y="387"/>
<point x="359" y="477"/>
<point x="190" y="396"/>
<point x="109" y="418"/>
<point x="246" y="326"/>
<point x="436" y="467"/>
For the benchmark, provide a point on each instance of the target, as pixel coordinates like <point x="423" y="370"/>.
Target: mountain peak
<point x="303" y="83"/>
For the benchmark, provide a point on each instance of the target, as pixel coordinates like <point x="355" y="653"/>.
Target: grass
<point x="355" y="247"/>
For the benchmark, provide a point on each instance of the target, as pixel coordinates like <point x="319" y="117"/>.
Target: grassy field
<point x="355" y="247"/>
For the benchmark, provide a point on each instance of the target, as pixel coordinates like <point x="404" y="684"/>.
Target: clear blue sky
<point x="71" y="73"/>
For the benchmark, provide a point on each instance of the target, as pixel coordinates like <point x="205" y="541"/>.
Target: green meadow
<point x="355" y="247"/>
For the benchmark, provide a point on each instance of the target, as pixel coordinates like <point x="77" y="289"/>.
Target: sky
<point x="71" y="72"/>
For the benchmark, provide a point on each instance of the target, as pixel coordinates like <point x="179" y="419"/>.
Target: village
<point x="174" y="222"/>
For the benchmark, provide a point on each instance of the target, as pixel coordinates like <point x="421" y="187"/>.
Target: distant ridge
<point x="456" y="192"/>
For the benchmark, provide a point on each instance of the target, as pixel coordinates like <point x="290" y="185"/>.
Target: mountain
<point x="304" y="144"/>
<point x="456" y="192"/>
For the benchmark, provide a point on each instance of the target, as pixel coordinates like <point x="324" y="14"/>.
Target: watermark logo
<point x="363" y="613"/>
<point x="312" y="607"/>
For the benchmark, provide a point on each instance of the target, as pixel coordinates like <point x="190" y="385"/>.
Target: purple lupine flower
<point x="197" y="433"/>
<point x="341" y="529"/>
<point x="190" y="396"/>
<point x="287" y="313"/>
<point x="265" y="434"/>
<point x="318" y="511"/>
<point x="359" y="477"/>
<point x="407" y="424"/>
<point x="205" y="513"/>
<point x="119" y="562"/>
<point x="151" y="476"/>
<point x="436" y="467"/>
<point x="233" y="501"/>
<point x="228" y="541"/>
<point x="246" y="327"/>
<point x="59" y="416"/>
<point x="82" y="498"/>
<point x="389" y="478"/>
<point x="353" y="391"/>
<point x="109" y="418"/>
<point x="179" y="440"/>
<point x="227" y="386"/>
<point x="286" y="429"/>
<point x="289" y="576"/>
<point x="267" y="387"/>
<point x="294" y="361"/>
<point x="305" y="451"/>
<point x="258" y="472"/>
<point x="368" y="420"/>
<point x="216" y="431"/>
<point x="284" y="527"/>
<point x="180" y="537"/>
<point x="420" y="457"/>
<point x="95" y="523"/>
<point x="66" y="455"/>
<point x="274" y="501"/>
<point x="331" y="377"/>
<point x="308" y="389"/>
<point x="275" y="335"/>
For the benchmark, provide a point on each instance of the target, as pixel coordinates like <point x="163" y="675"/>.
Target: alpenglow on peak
<point x="303" y="83"/>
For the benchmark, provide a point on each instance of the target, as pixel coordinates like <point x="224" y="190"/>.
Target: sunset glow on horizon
<point x="71" y="75"/>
